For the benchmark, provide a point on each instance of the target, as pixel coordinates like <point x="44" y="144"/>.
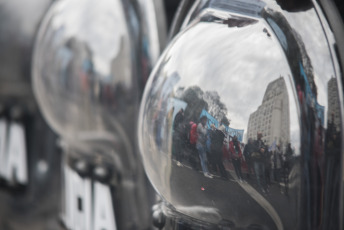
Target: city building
<point x="272" y="116"/>
<point x="333" y="103"/>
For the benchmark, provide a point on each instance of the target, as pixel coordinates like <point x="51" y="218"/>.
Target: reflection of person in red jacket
<point x="236" y="156"/>
<point x="193" y="133"/>
<point x="192" y="140"/>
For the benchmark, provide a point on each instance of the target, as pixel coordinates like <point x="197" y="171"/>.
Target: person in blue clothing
<point x="258" y="158"/>
<point x="201" y="145"/>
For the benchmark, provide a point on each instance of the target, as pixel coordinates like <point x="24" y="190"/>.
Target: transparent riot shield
<point x="241" y="122"/>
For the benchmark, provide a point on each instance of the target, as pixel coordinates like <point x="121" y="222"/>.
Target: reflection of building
<point x="121" y="66"/>
<point x="272" y="116"/>
<point x="333" y="102"/>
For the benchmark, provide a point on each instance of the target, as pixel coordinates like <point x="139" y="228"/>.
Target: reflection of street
<point x="241" y="201"/>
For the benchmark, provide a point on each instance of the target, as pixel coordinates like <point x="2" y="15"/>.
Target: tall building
<point x="333" y="103"/>
<point x="272" y="116"/>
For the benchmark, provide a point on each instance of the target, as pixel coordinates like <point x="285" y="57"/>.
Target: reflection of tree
<point x="215" y="107"/>
<point x="198" y="100"/>
<point x="193" y="96"/>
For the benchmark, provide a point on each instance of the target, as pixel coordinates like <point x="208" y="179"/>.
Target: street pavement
<point x="241" y="203"/>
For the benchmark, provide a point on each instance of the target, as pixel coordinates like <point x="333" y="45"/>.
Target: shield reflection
<point x="233" y="119"/>
<point x="90" y="64"/>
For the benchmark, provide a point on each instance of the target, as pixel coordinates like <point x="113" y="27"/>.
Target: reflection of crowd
<point x="217" y="137"/>
<point x="268" y="162"/>
<point x="210" y="149"/>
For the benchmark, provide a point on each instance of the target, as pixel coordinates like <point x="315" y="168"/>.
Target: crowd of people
<point x="210" y="150"/>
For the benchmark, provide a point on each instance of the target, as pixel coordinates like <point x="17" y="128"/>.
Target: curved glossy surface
<point x="91" y="61"/>
<point x="83" y="66"/>
<point x="90" y="64"/>
<point x="243" y="68"/>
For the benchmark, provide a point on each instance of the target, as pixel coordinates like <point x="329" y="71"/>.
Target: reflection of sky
<point x="100" y="24"/>
<point x="238" y="63"/>
<point x="232" y="76"/>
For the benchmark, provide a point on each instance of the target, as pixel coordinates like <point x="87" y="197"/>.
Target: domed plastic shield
<point x="241" y="120"/>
